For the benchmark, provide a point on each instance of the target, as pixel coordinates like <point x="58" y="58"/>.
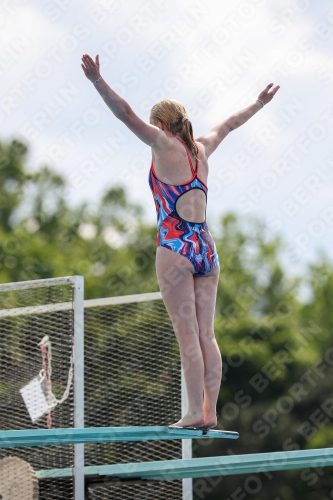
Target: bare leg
<point x="205" y="296"/>
<point x="176" y="282"/>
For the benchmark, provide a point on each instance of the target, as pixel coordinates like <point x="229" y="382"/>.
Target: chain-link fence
<point x="132" y="378"/>
<point x="29" y="312"/>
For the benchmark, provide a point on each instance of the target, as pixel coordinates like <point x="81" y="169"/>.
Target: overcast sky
<point x="215" y="57"/>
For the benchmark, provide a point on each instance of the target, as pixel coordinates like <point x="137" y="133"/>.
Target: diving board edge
<point x="202" y="467"/>
<point x="56" y="437"/>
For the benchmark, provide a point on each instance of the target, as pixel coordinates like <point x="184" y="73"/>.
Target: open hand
<point x="91" y="68"/>
<point x="266" y="96"/>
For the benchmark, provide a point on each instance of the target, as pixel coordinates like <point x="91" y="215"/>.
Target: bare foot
<point x="194" y="419"/>
<point x="210" y="420"/>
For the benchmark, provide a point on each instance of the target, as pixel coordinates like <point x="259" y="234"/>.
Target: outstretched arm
<point x="212" y="140"/>
<point x="149" y="134"/>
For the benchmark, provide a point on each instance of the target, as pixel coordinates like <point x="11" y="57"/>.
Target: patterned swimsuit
<point x="191" y="239"/>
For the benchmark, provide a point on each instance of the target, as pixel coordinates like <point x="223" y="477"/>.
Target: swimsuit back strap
<point x="188" y="157"/>
<point x="196" y="166"/>
<point x="152" y="167"/>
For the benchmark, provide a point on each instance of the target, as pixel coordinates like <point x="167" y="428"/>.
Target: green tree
<point x="43" y="237"/>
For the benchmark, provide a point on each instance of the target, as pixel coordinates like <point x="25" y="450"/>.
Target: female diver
<point x="187" y="264"/>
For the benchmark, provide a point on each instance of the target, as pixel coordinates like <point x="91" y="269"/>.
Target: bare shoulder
<point x="201" y="146"/>
<point x="164" y="145"/>
<point x="203" y="166"/>
<point x="204" y="150"/>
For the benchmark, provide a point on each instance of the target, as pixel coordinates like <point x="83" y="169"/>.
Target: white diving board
<point x="202" y="467"/>
<point x="48" y="437"/>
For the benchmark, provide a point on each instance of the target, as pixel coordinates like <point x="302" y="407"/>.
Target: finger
<point x="87" y="62"/>
<point x="91" y="61"/>
<point x="276" y="88"/>
<point x="89" y="67"/>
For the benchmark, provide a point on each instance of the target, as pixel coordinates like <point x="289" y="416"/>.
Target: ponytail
<point x="185" y="131"/>
<point x="173" y="114"/>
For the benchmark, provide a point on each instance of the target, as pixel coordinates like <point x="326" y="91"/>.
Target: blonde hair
<point x="171" y="112"/>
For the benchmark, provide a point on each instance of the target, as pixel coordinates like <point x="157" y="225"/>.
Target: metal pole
<point x="78" y="284"/>
<point x="186" y="444"/>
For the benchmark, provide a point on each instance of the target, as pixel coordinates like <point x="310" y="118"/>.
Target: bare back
<point x="172" y="167"/>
